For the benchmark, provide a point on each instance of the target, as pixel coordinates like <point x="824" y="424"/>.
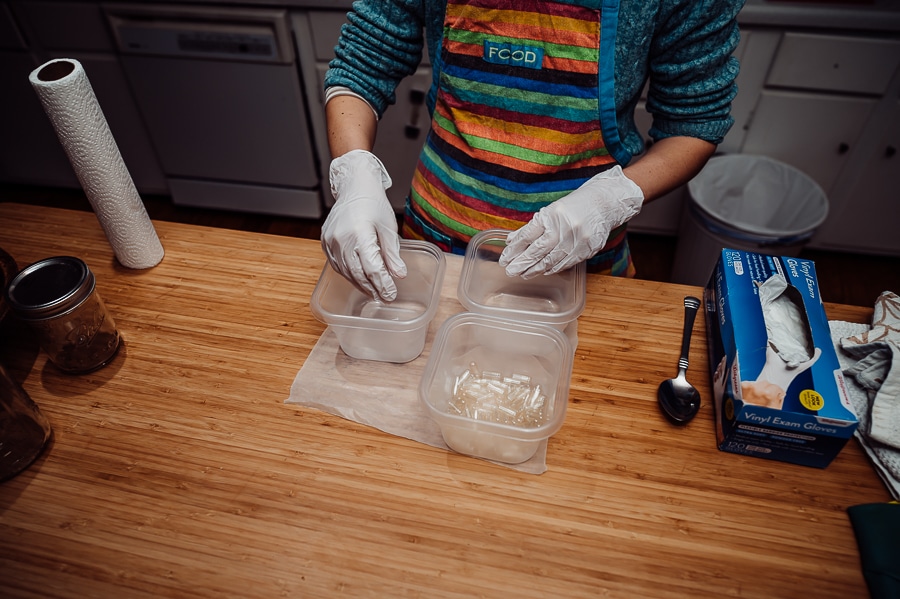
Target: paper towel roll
<point x="67" y="96"/>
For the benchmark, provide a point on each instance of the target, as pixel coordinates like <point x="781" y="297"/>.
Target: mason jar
<point x="58" y="299"/>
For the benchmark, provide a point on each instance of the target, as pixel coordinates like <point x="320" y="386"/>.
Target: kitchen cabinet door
<point x="128" y="129"/>
<point x="849" y="64"/>
<point x="404" y="125"/>
<point x="11" y="37"/>
<point x="401" y="134"/>
<point x="868" y="220"/>
<point x="813" y="132"/>
<point x="661" y="216"/>
<point x="217" y="120"/>
<point x="30" y="152"/>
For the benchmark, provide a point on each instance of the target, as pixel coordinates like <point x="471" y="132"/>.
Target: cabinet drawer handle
<point x="416" y="99"/>
<point x="890" y="151"/>
<point x="843" y="148"/>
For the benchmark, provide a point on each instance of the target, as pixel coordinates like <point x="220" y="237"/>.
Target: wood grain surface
<point x="179" y="471"/>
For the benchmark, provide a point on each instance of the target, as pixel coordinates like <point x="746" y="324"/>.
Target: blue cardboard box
<point x="778" y="388"/>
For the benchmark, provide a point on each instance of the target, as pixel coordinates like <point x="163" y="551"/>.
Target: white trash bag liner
<point x="752" y="196"/>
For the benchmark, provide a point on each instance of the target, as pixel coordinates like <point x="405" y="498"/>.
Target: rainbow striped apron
<point x="516" y="123"/>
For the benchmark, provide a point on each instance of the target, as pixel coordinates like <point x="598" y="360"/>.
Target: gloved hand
<point x="359" y="236"/>
<point x="573" y="228"/>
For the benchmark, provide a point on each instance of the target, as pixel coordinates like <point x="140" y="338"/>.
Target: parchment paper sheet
<point x="382" y="395"/>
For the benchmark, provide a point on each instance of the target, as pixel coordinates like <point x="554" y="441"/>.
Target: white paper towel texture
<point x="68" y="99"/>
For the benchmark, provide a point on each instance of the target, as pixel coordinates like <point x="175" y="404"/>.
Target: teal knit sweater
<point x="682" y="47"/>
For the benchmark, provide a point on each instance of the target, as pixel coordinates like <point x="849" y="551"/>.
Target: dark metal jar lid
<point x="50" y="287"/>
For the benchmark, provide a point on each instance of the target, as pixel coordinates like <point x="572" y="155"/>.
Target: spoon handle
<point x="691" y="304"/>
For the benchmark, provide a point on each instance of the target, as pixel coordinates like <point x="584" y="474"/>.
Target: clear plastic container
<point x="485" y="288"/>
<point x="497" y="426"/>
<point x="369" y="329"/>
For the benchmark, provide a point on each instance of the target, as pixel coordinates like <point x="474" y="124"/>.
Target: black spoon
<point x="678" y="399"/>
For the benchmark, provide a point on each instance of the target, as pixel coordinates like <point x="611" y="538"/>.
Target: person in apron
<point x="523" y="106"/>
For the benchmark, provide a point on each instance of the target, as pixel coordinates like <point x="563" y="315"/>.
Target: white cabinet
<point x="868" y="217"/>
<point x="220" y="92"/>
<point x="812" y="132"/>
<point x="828" y="106"/>
<point x="663" y="215"/>
<point x="30" y="152"/>
<point x="401" y="130"/>
<point x="34" y="32"/>
<point x="847" y="64"/>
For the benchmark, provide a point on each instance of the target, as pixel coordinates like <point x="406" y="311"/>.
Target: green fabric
<point x="877" y="529"/>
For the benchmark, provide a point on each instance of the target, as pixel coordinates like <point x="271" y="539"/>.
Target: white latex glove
<point x="573" y="228"/>
<point x="359" y="236"/>
<point x="781" y="372"/>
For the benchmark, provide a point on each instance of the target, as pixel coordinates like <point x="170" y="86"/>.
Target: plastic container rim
<point x="397" y="326"/>
<point x="556" y="318"/>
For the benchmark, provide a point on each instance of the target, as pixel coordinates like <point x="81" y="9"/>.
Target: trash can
<point x="745" y="202"/>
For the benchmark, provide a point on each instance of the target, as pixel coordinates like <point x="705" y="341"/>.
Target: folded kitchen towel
<point x="884" y="458"/>
<point x="877" y="368"/>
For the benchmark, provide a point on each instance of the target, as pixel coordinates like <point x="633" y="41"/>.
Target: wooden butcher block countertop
<point x="179" y="471"/>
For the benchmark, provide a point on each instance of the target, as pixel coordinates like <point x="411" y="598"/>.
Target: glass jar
<point x="24" y="430"/>
<point x="58" y="299"/>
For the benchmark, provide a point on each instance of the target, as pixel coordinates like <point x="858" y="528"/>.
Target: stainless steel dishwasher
<point x="219" y="90"/>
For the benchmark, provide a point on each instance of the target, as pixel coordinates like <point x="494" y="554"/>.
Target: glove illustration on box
<point x="789" y="351"/>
